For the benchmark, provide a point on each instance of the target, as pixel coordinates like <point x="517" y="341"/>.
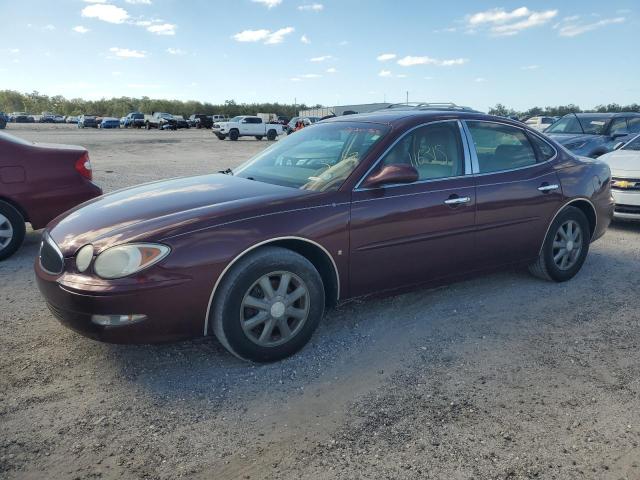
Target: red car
<point x="38" y="182"/>
<point x="346" y="207"/>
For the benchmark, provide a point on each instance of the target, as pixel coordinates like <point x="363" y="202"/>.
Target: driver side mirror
<point x="392" y="174"/>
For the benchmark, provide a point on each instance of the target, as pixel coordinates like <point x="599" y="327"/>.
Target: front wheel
<point x="565" y="248"/>
<point x="234" y="135"/>
<point x="12" y="230"/>
<point x="258" y="137"/>
<point x="221" y="137"/>
<point x="268" y="305"/>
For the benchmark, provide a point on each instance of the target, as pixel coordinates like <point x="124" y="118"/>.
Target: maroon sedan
<point x="38" y="182"/>
<point x="348" y="207"/>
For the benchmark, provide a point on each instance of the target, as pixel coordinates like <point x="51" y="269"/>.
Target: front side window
<point x="434" y="150"/>
<point x="500" y="147"/>
<point x="320" y="158"/>
<point x="619" y="125"/>
<point x="589" y="124"/>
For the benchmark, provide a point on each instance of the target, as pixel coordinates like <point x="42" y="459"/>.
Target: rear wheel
<point x="234" y="135"/>
<point x="12" y="230"/>
<point x="271" y="135"/>
<point x="268" y="305"/>
<point x="565" y="248"/>
<point x="221" y="137"/>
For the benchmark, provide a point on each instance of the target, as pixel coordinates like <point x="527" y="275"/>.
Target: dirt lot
<point x="499" y="377"/>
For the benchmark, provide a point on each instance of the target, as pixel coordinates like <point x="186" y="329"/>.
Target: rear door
<point x="408" y="234"/>
<point x="517" y="188"/>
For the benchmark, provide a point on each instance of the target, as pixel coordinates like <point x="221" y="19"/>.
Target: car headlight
<point x="84" y="257"/>
<point x="124" y="260"/>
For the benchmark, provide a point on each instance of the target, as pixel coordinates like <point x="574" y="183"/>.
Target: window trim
<point x="526" y="131"/>
<point x="465" y="149"/>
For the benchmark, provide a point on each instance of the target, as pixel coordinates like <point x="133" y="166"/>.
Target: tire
<point x="271" y="135"/>
<point x="241" y="282"/>
<point x="546" y="267"/>
<point x="147" y="126"/>
<point x="258" y="137"/>
<point x="234" y="135"/>
<point x="221" y="137"/>
<point x="11" y="223"/>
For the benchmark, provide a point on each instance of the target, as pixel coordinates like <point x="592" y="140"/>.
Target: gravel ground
<point x="498" y="377"/>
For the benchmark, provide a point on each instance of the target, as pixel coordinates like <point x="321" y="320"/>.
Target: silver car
<point x="625" y="175"/>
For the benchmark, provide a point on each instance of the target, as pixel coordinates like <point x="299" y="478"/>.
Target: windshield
<point x="236" y="119"/>
<point x="633" y="144"/>
<point x="168" y="116"/>
<point x="574" y="124"/>
<point x="137" y="116"/>
<point x="318" y="158"/>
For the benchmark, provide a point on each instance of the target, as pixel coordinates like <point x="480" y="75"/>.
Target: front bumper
<point x="173" y="311"/>
<point x="627" y="204"/>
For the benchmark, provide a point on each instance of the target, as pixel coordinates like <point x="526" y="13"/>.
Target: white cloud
<point x="314" y="7"/>
<point x="384" y="73"/>
<point x="175" y="51"/>
<point x="572" y="27"/>
<point x="295" y="79"/>
<point x="310" y="75"/>
<point x="14" y="51"/>
<point x="428" y="78"/>
<point x="49" y="27"/>
<point x="530" y="67"/>
<point x="126" y="53"/>
<point x="401" y="75"/>
<point x="501" y="22"/>
<point x="304" y="39"/>
<point x="80" y="29"/>
<point x="331" y="70"/>
<point x="321" y="59"/>
<point x="269" y="37"/>
<point x="386" y="57"/>
<point x="410" y="61"/>
<point x="162" y="29"/>
<point x="268" y="3"/>
<point x="95" y="1"/>
<point x="480" y="80"/>
<point x="139" y="2"/>
<point x="106" y="13"/>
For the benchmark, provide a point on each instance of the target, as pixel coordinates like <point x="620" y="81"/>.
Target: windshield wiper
<point x="228" y="171"/>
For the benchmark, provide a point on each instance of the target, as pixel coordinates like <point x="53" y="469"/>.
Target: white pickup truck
<point x="246" y="126"/>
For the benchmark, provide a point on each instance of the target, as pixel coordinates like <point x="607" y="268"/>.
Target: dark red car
<point x="38" y="182"/>
<point x="347" y="207"/>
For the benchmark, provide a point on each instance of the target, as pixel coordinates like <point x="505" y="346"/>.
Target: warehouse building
<point x="343" y="109"/>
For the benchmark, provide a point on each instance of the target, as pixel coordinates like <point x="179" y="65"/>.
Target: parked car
<point x="38" y="183"/>
<point x="87" y="121"/>
<point x="355" y="205"/>
<point x="71" y="119"/>
<point x="4" y="118"/>
<point x="134" y="120"/>
<point x="47" y="117"/>
<point x="181" y="122"/>
<point x="540" y="123"/>
<point x="200" y="120"/>
<point x="594" y="134"/>
<point x="21" y="117"/>
<point x="282" y="120"/>
<point x="109" y="122"/>
<point x="161" y="121"/>
<point x="219" y="118"/>
<point x="625" y="179"/>
<point x="246" y="126"/>
<point x="58" y="118"/>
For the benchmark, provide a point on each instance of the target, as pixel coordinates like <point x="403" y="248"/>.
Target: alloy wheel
<point x="275" y="308"/>
<point x="6" y="232"/>
<point x="567" y="245"/>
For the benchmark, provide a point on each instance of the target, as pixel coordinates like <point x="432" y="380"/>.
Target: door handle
<point x="545" y="187"/>
<point x="457" y="200"/>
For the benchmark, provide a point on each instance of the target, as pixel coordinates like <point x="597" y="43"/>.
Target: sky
<point x="330" y="52"/>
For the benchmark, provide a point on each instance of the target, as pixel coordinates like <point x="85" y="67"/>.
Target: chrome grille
<point x="51" y="259"/>
<point x="630" y="183"/>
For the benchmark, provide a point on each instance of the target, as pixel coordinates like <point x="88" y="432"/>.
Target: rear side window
<point x="500" y="147"/>
<point x="434" y="150"/>
<point x="546" y="151"/>
<point x="634" y="125"/>
<point x="619" y="125"/>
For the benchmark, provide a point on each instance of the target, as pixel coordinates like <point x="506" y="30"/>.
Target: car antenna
<point x="579" y="122"/>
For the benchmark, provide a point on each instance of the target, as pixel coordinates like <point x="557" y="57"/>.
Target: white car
<point x="540" y="123"/>
<point x="625" y="179"/>
<point x="246" y="126"/>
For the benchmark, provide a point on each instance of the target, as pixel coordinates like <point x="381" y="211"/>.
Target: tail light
<point x="83" y="166"/>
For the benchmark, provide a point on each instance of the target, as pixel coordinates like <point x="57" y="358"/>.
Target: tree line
<point x="36" y="103"/>
<point x="560" y="110"/>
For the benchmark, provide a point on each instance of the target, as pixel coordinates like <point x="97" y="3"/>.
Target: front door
<point x="518" y="191"/>
<point x="412" y="233"/>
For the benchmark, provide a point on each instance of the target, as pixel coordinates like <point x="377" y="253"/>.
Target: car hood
<point x="623" y="162"/>
<point x="157" y="210"/>
<point x="569" y="138"/>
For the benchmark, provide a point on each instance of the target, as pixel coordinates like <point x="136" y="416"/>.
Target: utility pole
<point x="407" y="97"/>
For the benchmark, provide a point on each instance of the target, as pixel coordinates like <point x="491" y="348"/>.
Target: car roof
<point x="393" y="116"/>
<point x="605" y="114"/>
